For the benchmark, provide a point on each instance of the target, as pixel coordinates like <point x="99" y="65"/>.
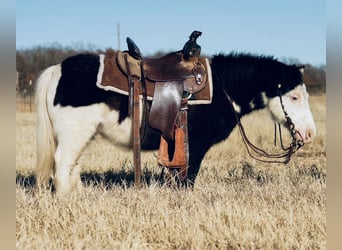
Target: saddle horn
<point x="191" y="48"/>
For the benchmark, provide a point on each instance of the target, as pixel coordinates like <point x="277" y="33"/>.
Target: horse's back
<point x="77" y="84"/>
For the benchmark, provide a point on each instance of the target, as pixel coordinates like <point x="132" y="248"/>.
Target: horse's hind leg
<point x="67" y="173"/>
<point x="72" y="137"/>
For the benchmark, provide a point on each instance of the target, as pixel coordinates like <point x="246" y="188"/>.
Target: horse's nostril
<point x="310" y="134"/>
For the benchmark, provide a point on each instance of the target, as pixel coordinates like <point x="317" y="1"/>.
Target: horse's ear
<point x="301" y="68"/>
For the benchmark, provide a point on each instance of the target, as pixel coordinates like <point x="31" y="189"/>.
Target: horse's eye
<point x="294" y="98"/>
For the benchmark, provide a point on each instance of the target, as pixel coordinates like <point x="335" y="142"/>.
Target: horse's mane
<point x="243" y="57"/>
<point x="246" y="71"/>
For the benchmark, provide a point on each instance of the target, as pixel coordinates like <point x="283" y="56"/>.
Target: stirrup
<point x="179" y="159"/>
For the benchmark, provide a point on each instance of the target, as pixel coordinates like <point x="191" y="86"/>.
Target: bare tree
<point x="30" y="62"/>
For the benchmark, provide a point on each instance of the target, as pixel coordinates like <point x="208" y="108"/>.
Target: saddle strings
<point x="286" y="155"/>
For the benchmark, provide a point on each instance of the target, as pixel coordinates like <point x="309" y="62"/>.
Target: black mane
<point x="243" y="75"/>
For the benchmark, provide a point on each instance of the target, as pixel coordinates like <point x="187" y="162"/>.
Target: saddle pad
<point x="111" y="78"/>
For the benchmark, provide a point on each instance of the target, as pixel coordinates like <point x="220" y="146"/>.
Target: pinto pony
<point x="71" y="109"/>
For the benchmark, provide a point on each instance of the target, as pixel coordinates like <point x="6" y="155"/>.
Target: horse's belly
<point x="117" y="133"/>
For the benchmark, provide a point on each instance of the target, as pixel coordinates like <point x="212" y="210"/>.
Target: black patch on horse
<point x="77" y="85"/>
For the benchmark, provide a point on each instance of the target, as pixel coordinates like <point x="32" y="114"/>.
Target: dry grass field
<point x="237" y="202"/>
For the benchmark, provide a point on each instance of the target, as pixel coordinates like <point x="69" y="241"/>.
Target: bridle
<point x="262" y="155"/>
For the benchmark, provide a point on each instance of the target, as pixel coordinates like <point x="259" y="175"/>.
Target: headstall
<point x="260" y="154"/>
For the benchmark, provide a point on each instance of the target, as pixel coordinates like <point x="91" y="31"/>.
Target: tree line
<point x="30" y="63"/>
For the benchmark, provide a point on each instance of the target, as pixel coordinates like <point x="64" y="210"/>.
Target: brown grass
<point x="237" y="202"/>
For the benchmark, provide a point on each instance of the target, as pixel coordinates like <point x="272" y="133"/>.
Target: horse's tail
<point x="46" y="141"/>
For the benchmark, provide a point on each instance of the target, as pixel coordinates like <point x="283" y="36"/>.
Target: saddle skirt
<point x="112" y="74"/>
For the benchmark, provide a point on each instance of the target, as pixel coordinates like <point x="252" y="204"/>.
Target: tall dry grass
<point x="237" y="202"/>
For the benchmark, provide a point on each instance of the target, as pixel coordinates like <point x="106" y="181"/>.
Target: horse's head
<point x="253" y="82"/>
<point x="296" y="105"/>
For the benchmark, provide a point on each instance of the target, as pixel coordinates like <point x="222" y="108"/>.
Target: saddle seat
<point x="169" y="68"/>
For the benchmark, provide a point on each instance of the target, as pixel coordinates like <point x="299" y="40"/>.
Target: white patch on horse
<point x="251" y="105"/>
<point x="258" y="101"/>
<point x="264" y="97"/>
<point x="237" y="108"/>
<point x="116" y="133"/>
<point x="64" y="131"/>
<point x="296" y="104"/>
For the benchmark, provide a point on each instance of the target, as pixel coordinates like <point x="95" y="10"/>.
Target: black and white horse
<point x="70" y="114"/>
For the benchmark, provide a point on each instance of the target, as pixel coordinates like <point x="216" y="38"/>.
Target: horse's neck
<point x="246" y="102"/>
<point x="248" y="92"/>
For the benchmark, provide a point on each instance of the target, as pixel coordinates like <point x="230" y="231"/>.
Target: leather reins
<point x="263" y="156"/>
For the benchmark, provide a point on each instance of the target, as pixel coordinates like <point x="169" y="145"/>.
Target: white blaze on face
<point x="296" y="104"/>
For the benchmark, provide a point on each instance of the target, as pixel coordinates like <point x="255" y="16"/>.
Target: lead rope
<point x="282" y="157"/>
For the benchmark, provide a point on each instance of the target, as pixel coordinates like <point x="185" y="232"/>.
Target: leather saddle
<point x="168" y="79"/>
<point x="171" y="82"/>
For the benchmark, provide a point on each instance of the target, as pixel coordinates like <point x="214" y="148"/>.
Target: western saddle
<point x="170" y="82"/>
